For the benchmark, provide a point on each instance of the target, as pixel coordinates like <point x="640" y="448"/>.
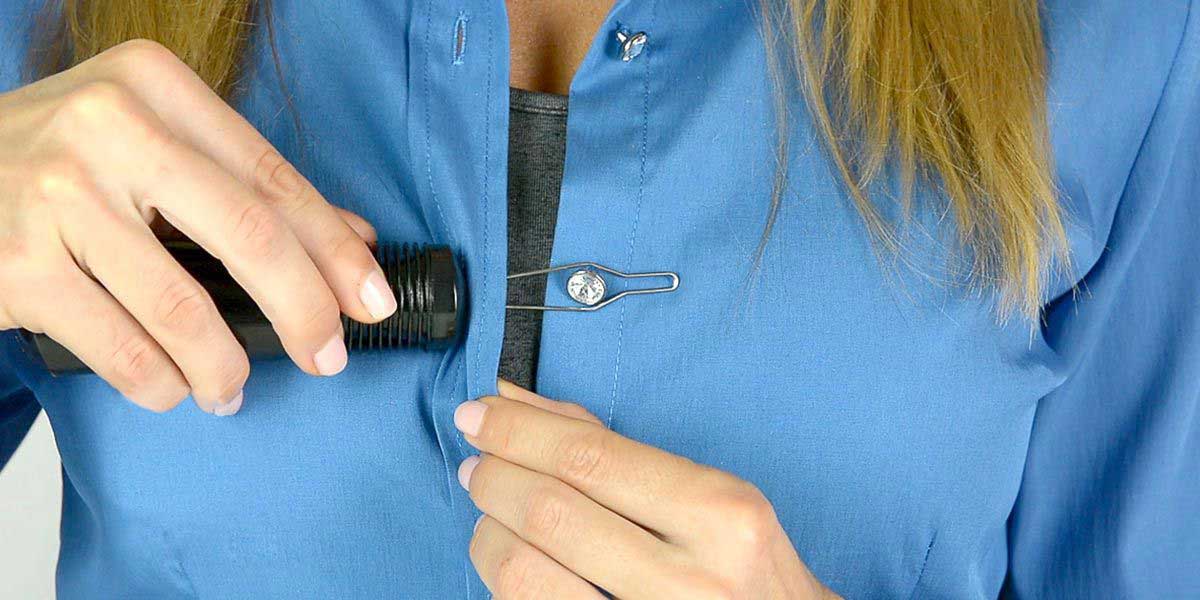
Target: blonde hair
<point x="209" y="35"/>
<point x="950" y="91"/>
<point x="953" y="92"/>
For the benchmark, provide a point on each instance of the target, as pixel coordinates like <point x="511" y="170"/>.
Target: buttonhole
<point x="460" y="38"/>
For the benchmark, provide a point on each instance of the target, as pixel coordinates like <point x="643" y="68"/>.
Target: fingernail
<point x="477" y="522"/>
<point x="464" y="471"/>
<point x="331" y="358"/>
<point x="229" y="408"/>
<point x="468" y="417"/>
<point x="376" y="296"/>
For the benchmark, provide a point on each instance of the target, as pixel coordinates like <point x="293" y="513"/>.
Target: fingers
<point x="201" y="119"/>
<point x="513" y="569"/>
<point x="645" y="484"/>
<point x="515" y="392"/>
<point x="261" y="252"/>
<point x="77" y="313"/>
<point x="361" y="227"/>
<point x="344" y="259"/>
<point x="169" y="305"/>
<point x="590" y="540"/>
<point x="161" y="143"/>
<point x="141" y="167"/>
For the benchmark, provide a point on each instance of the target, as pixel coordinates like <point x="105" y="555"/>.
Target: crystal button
<point x="586" y="287"/>
<point x="632" y="44"/>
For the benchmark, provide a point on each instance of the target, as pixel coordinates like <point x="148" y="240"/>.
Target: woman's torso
<point x="884" y="411"/>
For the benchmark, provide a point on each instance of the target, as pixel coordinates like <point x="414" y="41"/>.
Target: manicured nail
<point x="477" y="522"/>
<point x="468" y="417"/>
<point x="229" y="408"/>
<point x="464" y="471"/>
<point x="331" y="358"/>
<point x="376" y="296"/>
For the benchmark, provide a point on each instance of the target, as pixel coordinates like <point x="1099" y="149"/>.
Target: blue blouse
<point x="912" y="444"/>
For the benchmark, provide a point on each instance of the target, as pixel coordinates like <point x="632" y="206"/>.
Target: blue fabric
<point x="18" y="406"/>
<point x="913" y="446"/>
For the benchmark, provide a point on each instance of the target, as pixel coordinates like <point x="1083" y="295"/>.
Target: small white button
<point x="632" y="44"/>
<point x="586" y="287"/>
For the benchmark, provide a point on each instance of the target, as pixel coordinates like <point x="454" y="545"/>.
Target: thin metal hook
<point x="674" y="285"/>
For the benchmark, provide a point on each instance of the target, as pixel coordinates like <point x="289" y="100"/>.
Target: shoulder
<point x="1126" y="33"/>
<point x="1111" y="63"/>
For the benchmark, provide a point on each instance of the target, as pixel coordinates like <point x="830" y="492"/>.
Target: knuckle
<point x="498" y="431"/>
<point x="158" y="144"/>
<point x="235" y="374"/>
<point x="142" y="48"/>
<point x="324" y="316"/>
<point x="362" y="229"/>
<point x="545" y="514"/>
<point x="61" y="181"/>
<point x="227" y="378"/>
<point x="577" y="411"/>
<point x="516" y="575"/>
<point x="135" y="56"/>
<point x="582" y="459"/>
<point x="107" y="108"/>
<point x="98" y="104"/>
<point x="278" y="181"/>
<point x="747" y="515"/>
<point x="258" y="230"/>
<point x="135" y="364"/>
<point x="184" y="308"/>
<point x="349" y="249"/>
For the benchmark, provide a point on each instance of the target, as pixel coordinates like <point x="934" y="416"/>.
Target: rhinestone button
<point x="632" y="44"/>
<point x="586" y="287"/>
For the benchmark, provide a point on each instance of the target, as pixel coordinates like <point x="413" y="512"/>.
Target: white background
<point x="30" y="497"/>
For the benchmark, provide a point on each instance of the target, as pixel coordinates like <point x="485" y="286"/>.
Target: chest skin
<point x="884" y="411"/>
<point x="549" y="40"/>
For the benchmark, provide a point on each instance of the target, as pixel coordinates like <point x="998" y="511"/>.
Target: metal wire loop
<point x="670" y="287"/>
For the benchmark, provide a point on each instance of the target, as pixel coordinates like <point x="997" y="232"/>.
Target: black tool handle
<point x="425" y="279"/>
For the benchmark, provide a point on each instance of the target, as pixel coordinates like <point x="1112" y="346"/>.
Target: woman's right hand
<point x="92" y="157"/>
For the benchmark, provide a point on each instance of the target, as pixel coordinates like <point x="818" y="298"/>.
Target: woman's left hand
<point x="570" y="506"/>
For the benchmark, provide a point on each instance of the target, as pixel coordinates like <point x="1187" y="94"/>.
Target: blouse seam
<point x="924" y="565"/>
<point x="177" y="563"/>
<point x="637" y="213"/>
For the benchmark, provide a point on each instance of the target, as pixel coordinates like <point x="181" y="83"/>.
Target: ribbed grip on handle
<point x="425" y="279"/>
<point x="427" y="283"/>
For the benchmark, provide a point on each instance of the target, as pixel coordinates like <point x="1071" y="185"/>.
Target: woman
<point x="936" y="332"/>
